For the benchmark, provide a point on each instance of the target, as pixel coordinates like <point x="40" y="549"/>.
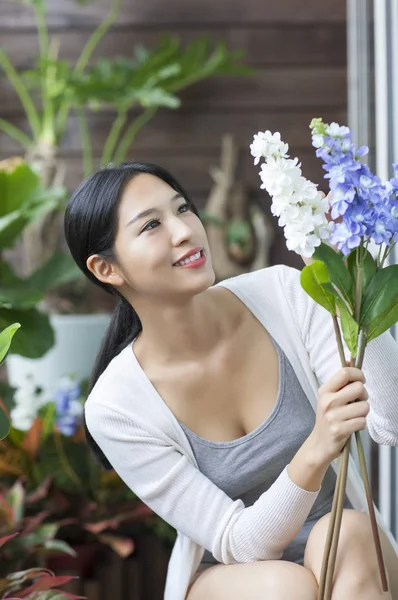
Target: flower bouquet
<point x="46" y="448"/>
<point x="335" y="236"/>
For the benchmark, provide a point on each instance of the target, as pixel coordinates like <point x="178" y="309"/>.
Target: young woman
<point x="224" y="406"/>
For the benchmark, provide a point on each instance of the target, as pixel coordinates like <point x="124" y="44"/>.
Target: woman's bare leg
<point x="264" y="580"/>
<point x="356" y="574"/>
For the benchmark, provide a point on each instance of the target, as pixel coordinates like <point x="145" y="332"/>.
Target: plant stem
<point x="23" y="94"/>
<point x="127" y="139"/>
<point x="340" y="492"/>
<point x="85" y="56"/>
<point x="375" y="530"/>
<point x="42" y="31"/>
<point x="16" y="134"/>
<point x="325" y="561"/>
<point x="112" y="138"/>
<point x="86" y="142"/>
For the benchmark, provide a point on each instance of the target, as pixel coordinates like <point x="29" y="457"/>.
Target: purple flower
<point x="359" y="198"/>
<point x="68" y="406"/>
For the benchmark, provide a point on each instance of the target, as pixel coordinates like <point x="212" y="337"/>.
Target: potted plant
<point x="26" y="583"/>
<point x="46" y="447"/>
<point x="32" y="582"/>
<point x="24" y="200"/>
<point x="148" y="80"/>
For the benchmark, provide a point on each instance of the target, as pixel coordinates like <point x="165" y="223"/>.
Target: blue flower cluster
<point x="68" y="407"/>
<point x="363" y="208"/>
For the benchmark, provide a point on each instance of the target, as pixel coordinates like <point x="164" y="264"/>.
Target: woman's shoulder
<point x="276" y="278"/>
<point x="114" y="381"/>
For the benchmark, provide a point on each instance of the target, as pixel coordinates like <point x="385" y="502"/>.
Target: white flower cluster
<point x="28" y="400"/>
<point x="301" y="208"/>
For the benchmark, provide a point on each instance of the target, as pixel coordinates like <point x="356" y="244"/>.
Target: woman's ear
<point x="104" y="271"/>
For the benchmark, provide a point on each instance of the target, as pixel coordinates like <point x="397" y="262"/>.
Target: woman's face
<point x="156" y="233"/>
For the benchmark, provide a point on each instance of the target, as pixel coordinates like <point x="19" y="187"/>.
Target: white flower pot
<point x="77" y="342"/>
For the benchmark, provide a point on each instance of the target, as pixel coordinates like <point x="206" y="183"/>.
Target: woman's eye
<point x="184" y="207"/>
<point x="151" y="225"/>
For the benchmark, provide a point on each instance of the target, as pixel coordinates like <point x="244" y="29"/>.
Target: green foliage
<point x="380" y="304"/>
<point x="23" y="200"/>
<point x="312" y="278"/>
<point x="339" y="275"/>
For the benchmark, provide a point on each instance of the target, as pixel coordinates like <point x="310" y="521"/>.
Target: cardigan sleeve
<point x="380" y="364"/>
<point x="167" y="481"/>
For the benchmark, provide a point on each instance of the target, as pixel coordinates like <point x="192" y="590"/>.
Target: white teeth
<point x="188" y="260"/>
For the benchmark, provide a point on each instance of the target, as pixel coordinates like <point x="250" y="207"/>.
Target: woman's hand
<point x="341" y="411"/>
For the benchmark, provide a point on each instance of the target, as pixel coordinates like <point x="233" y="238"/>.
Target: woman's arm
<point x="177" y="491"/>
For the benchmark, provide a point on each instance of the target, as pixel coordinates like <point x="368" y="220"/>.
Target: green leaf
<point x="368" y="267"/>
<point x="380" y="304"/>
<point x="16" y="186"/>
<point x="36" y="336"/>
<point x="338" y="272"/>
<point x="58" y="270"/>
<point x="349" y="326"/>
<point x="6" y="338"/>
<point x="238" y="232"/>
<point x="313" y="279"/>
<point x="60" y="546"/>
<point x="15" y="497"/>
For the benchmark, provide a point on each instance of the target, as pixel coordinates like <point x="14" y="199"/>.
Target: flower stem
<point x="340" y="493"/>
<point x="375" y="530"/>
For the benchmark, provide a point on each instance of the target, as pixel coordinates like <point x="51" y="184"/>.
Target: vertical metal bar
<point x="385" y="99"/>
<point x="394" y="256"/>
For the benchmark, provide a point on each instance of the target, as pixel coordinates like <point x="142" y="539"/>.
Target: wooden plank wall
<point x="297" y="48"/>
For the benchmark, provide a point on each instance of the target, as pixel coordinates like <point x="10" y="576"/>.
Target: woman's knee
<point x="356" y="566"/>
<point x="279" y="580"/>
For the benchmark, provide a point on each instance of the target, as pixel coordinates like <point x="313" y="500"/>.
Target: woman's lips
<point x="194" y="264"/>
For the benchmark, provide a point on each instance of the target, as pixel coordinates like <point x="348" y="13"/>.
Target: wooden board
<point x="67" y="14"/>
<point x="288" y="87"/>
<point x="190" y="130"/>
<point x="309" y="44"/>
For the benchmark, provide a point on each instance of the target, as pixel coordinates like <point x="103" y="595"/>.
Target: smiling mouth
<point x="194" y="259"/>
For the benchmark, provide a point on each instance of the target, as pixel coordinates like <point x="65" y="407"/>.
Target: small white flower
<point x="297" y="202"/>
<point x="317" y="140"/>
<point x="334" y="130"/>
<point x="267" y="144"/>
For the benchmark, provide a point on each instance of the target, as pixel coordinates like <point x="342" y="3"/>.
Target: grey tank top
<point x="246" y="467"/>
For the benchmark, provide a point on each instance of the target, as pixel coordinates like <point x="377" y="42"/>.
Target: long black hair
<point x="90" y="226"/>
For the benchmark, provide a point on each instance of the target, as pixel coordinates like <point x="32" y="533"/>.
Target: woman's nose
<point x="180" y="231"/>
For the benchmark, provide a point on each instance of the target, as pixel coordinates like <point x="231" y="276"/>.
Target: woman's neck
<point x="172" y="333"/>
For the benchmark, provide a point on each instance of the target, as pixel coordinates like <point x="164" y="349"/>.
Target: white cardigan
<point x="144" y="442"/>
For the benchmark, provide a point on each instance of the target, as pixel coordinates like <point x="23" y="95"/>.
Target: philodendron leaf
<point x="58" y="270"/>
<point x="349" y="327"/>
<point x="337" y="270"/>
<point x="36" y="336"/>
<point x="312" y="278"/>
<point x="368" y="267"/>
<point x="380" y="305"/>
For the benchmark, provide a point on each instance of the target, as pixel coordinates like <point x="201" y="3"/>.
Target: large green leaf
<point x="16" y="292"/>
<point x="368" y="268"/>
<point x="312" y="278"/>
<point x="6" y="338"/>
<point x="16" y="186"/>
<point x="36" y="336"/>
<point x="338" y="272"/>
<point x="380" y="304"/>
<point x="58" y="270"/>
<point x="23" y="201"/>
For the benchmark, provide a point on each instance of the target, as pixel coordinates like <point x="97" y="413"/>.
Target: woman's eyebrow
<point x="148" y="211"/>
